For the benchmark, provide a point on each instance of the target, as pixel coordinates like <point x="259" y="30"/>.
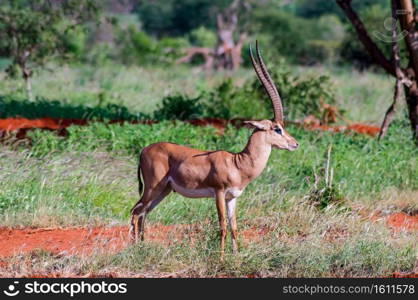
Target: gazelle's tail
<point x="140" y="182"/>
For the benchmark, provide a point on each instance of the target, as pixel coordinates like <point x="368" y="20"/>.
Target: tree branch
<point x="369" y="44"/>
<point x="398" y="73"/>
<point x="364" y="37"/>
<point x="407" y="19"/>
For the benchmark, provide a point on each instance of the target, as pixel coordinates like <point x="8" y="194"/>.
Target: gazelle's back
<point x="178" y="164"/>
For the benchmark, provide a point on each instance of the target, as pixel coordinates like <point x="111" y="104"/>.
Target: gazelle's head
<point x="272" y="130"/>
<point x="274" y="134"/>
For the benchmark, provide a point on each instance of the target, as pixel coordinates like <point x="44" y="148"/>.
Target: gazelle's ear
<point x="262" y="125"/>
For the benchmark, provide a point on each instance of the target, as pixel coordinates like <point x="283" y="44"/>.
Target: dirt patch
<point x="12" y="124"/>
<point x="405" y="275"/>
<point x="85" y="241"/>
<point x="21" y="125"/>
<point x="62" y="240"/>
<point x="358" y="128"/>
<point x="397" y="221"/>
<point x="402" y="221"/>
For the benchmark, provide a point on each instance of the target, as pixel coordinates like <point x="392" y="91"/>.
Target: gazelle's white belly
<point x="192" y="193"/>
<point x="232" y="193"/>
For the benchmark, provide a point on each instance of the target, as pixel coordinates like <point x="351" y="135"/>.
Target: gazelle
<point x="222" y="175"/>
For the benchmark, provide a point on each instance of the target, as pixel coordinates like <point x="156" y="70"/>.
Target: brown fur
<point x="224" y="175"/>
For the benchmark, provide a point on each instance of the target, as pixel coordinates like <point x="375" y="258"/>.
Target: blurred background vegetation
<point x="83" y="42"/>
<point x="163" y="60"/>
<point x="157" y="32"/>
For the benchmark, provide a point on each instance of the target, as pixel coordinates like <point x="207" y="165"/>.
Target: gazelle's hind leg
<point x="230" y="208"/>
<point x="148" y="201"/>
<point x="158" y="199"/>
<point x="220" y="205"/>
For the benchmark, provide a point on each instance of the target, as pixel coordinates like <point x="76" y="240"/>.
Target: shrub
<point x="202" y="37"/>
<point x="300" y="96"/>
<point x="179" y="107"/>
<point x="303" y="41"/>
<point x="140" y="48"/>
<point x="10" y="107"/>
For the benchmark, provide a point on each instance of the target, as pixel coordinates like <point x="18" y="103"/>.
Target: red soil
<point x="67" y="240"/>
<point x="354" y="128"/>
<point x="22" y="125"/>
<point x="401" y="221"/>
<point x="404" y="275"/>
<point x="12" y="124"/>
<point x="85" y="241"/>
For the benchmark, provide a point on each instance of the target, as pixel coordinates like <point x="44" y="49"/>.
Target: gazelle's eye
<point x="278" y="130"/>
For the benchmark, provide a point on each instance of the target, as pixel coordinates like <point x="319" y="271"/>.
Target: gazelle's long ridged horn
<point x="268" y="85"/>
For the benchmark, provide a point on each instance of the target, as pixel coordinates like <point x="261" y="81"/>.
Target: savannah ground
<point x="65" y="198"/>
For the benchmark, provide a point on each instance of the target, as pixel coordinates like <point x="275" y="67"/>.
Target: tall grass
<point x="364" y="96"/>
<point x="88" y="177"/>
<point x="92" y="171"/>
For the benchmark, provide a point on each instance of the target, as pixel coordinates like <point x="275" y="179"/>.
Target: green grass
<point x="139" y="89"/>
<point x="364" y="96"/>
<point x="88" y="178"/>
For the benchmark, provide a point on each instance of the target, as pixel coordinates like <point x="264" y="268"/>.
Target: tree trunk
<point x="408" y="18"/>
<point x="227" y="51"/>
<point x="27" y="77"/>
<point x="29" y="88"/>
<point x="391" y="110"/>
<point x="397" y="63"/>
<point x="411" y="94"/>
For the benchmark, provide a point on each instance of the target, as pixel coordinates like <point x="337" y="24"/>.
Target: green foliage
<point x="169" y="49"/>
<point x="324" y="192"/>
<point x="88" y="178"/>
<point x="318" y="8"/>
<point x="301" y="95"/>
<point x="30" y="33"/>
<point x="43" y="108"/>
<point x="124" y="138"/>
<point x="352" y="50"/>
<point x="179" y="107"/>
<point x="74" y="43"/>
<point x="137" y="47"/>
<point x="302" y="41"/>
<point x="38" y="30"/>
<point x="170" y="17"/>
<point x="203" y="37"/>
<point x="360" y="159"/>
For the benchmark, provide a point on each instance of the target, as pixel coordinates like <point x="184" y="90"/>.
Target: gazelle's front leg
<point x="230" y="207"/>
<point x="220" y="205"/>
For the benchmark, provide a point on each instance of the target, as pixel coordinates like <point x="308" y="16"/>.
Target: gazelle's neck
<point x="252" y="160"/>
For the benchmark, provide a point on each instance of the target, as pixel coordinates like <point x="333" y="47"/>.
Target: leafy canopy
<point x="34" y="30"/>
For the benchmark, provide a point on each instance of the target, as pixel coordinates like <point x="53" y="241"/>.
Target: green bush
<point x="300" y="96"/>
<point x="352" y="50"/>
<point x="299" y="40"/>
<point x="175" y="18"/>
<point x="179" y="107"/>
<point x="169" y="49"/>
<point x="203" y="37"/>
<point x="41" y="108"/>
<point x="137" y="47"/>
